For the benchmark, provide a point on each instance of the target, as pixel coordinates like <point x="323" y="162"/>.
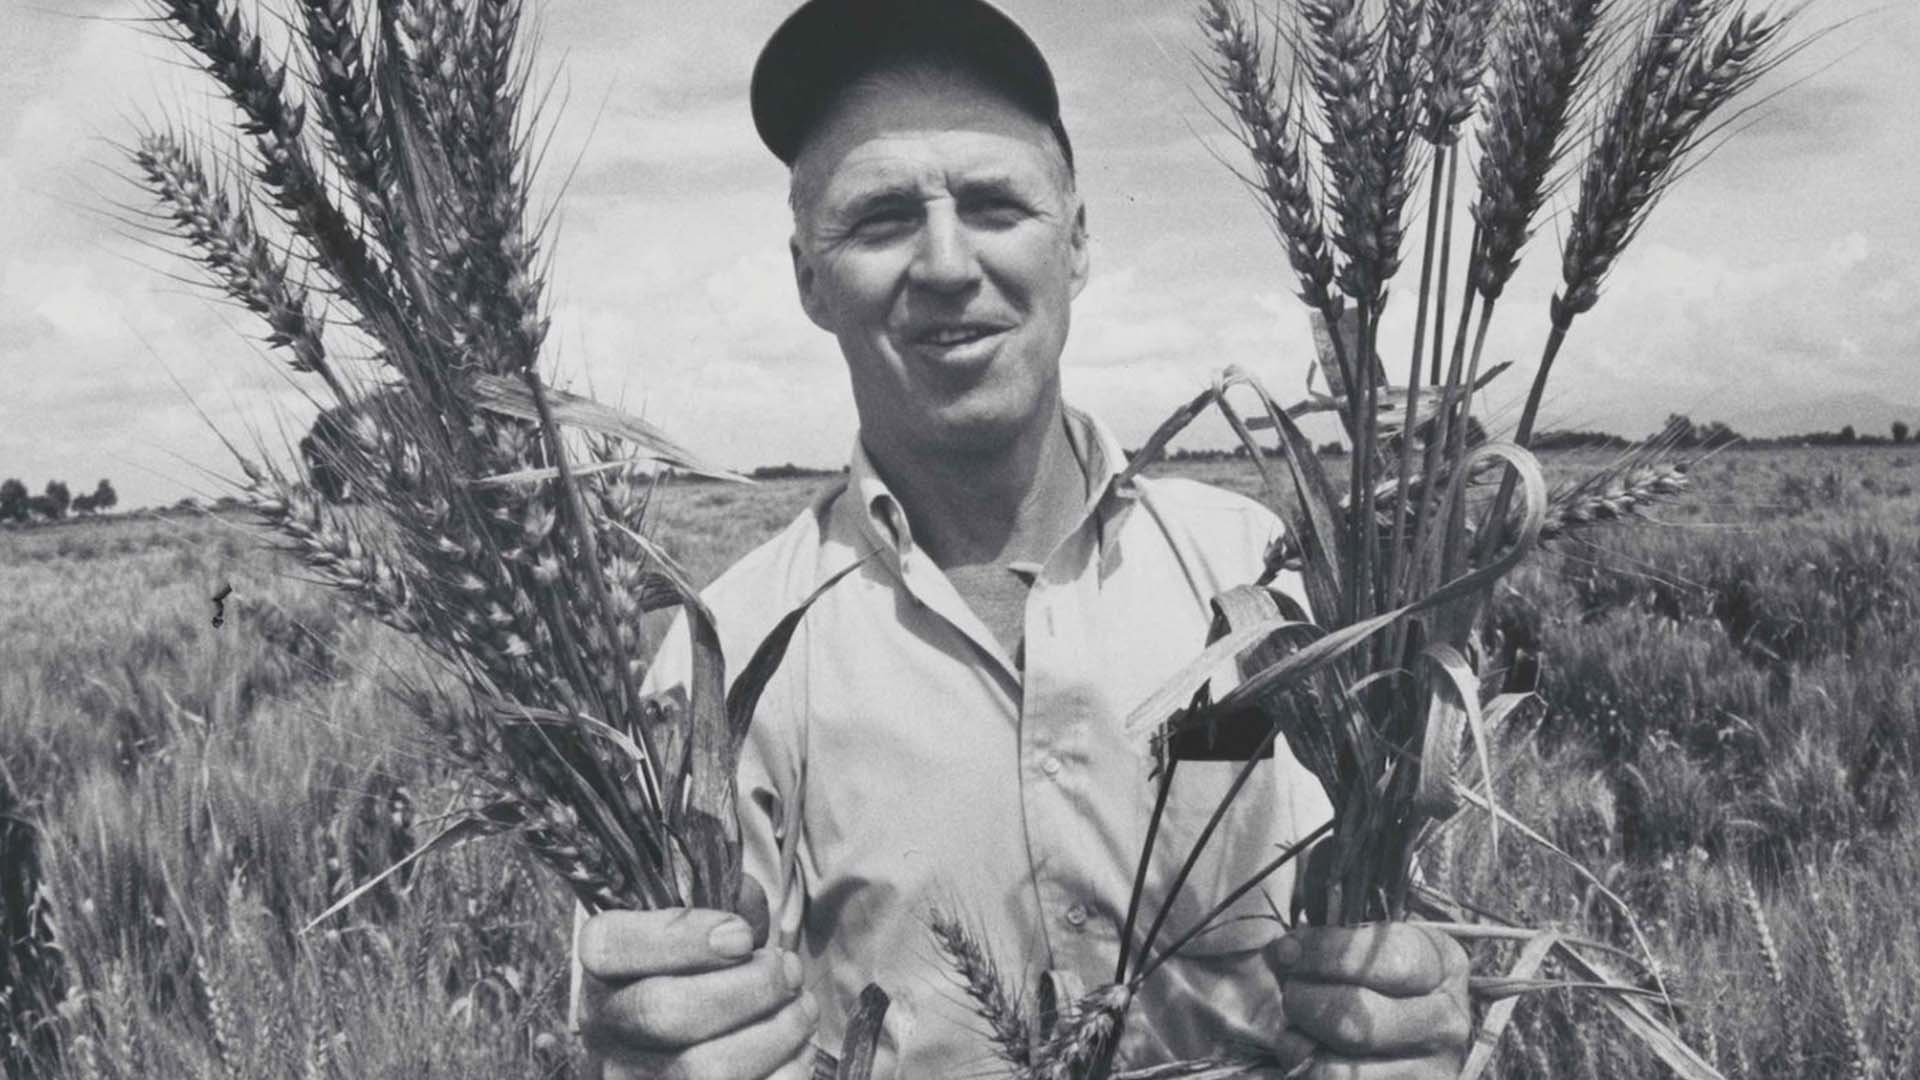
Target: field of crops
<point x="1728" y="738"/>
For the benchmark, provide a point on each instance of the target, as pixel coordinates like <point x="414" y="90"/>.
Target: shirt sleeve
<point x="767" y="778"/>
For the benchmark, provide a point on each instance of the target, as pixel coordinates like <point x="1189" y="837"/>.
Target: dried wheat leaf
<point x="1589" y="876"/>
<point x="1500" y="988"/>
<point x="863" y="1034"/>
<point x="1460" y="692"/>
<point x="511" y="397"/>
<point x="1659" y="1038"/>
<point x="471" y="827"/>
<point x="534" y="476"/>
<point x="1486" y="1041"/>
<point x="753" y="678"/>
<point x="1316" y="520"/>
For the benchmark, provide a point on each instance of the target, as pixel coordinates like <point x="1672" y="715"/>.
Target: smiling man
<point x="945" y="732"/>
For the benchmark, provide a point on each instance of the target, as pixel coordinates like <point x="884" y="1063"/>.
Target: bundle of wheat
<point x="484" y="533"/>
<point x="1378" y="693"/>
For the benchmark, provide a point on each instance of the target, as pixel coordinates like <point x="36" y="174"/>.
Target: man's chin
<point x="971" y="432"/>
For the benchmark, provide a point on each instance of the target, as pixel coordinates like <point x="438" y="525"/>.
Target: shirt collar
<point x="1102" y="461"/>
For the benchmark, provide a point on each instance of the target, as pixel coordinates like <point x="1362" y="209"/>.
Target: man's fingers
<point x="668" y="1012"/>
<point x="1328" y="1066"/>
<point x="753" y="908"/>
<point x="775" y="1047"/>
<point x="615" y="946"/>
<point x="1391" y="958"/>
<point x="1358" y="1022"/>
<point x="800" y="1067"/>
<point x="619" y="945"/>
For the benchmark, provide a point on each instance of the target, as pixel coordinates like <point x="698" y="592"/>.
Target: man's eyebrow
<point x="996" y="184"/>
<point x="889" y="193"/>
<point x="875" y="196"/>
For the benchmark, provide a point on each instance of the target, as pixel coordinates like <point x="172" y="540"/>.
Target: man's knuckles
<point x="1352" y="1020"/>
<point x="774" y="1049"/>
<point x="668" y="1011"/>
<point x="620" y="945"/>
<point x="1392" y="958"/>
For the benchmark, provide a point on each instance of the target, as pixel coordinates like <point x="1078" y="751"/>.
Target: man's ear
<point x="806" y="279"/>
<point x="1080" y="251"/>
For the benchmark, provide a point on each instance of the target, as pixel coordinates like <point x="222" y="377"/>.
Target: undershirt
<point x="997" y="592"/>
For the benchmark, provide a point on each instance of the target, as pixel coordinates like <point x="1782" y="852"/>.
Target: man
<point x="945" y="731"/>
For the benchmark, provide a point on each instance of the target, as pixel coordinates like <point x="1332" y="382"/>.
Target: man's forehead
<point x="922" y="124"/>
<point x="927" y="161"/>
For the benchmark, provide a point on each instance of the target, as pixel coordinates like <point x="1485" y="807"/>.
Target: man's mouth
<point x="948" y="337"/>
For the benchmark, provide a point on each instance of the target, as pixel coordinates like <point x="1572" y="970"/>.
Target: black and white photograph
<point x="959" y="539"/>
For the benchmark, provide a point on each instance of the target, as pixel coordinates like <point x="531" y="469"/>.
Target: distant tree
<point x="1570" y="439"/>
<point x="1336" y="448"/>
<point x="788" y="471"/>
<point x="1679" y="430"/>
<point x="83" y="504"/>
<point x="104" y="497"/>
<point x="53" y="504"/>
<point x="1848" y="435"/>
<point x="15" y="503"/>
<point x="1901" y="431"/>
<point x="187" y="505"/>
<point x="1714" y="434"/>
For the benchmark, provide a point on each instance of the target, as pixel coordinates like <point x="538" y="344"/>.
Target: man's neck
<point x="1012" y="505"/>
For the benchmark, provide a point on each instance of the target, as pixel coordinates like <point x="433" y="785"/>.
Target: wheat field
<point x="1727" y="735"/>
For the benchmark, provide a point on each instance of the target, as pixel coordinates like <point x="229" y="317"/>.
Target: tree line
<point x="17" y="504"/>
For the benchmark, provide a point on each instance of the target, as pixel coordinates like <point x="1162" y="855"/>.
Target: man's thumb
<point x="753" y="908"/>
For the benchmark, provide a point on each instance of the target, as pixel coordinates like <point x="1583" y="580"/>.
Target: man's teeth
<point x="954" y="337"/>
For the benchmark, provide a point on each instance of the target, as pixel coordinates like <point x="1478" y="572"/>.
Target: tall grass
<point x="1648" y="798"/>
<point x="195" y="796"/>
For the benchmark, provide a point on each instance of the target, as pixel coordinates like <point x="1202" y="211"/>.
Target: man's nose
<point x="946" y="260"/>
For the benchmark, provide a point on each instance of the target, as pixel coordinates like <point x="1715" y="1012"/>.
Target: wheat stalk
<point x="1271" y="133"/>
<point x="1860" y="1061"/>
<point x="523" y="567"/>
<point x="1900" y="1040"/>
<point x="999" y="1006"/>
<point x="1456" y="60"/>
<point x="1376" y="691"/>
<point x="240" y="258"/>
<point x="1543" y="52"/>
<point x="1612" y="496"/>
<point x="1084" y="1037"/>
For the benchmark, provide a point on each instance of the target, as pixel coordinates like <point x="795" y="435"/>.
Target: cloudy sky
<point x="1785" y="269"/>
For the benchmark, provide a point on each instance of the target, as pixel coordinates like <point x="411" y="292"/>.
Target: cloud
<point x="1784" y="266"/>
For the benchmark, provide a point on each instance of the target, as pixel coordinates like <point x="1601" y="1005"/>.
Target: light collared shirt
<point x="906" y="762"/>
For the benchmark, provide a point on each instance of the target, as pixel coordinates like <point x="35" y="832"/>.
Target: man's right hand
<point x="693" y="994"/>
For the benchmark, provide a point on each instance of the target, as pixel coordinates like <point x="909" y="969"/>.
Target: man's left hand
<point x="1387" y="1001"/>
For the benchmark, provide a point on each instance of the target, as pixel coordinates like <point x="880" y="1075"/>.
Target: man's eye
<point x="999" y="211"/>
<point x="884" y="220"/>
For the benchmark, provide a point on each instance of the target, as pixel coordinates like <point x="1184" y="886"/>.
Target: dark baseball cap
<point x="827" y="44"/>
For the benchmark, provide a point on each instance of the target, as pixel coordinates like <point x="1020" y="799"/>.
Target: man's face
<point x="939" y="238"/>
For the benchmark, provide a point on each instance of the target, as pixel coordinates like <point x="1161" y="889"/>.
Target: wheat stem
<point x="1267" y="870"/>
<point x="1140" y="868"/>
<point x="1395" y="586"/>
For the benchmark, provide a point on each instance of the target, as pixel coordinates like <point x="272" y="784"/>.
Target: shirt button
<point x="1077" y="915"/>
<point x="1051" y="766"/>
